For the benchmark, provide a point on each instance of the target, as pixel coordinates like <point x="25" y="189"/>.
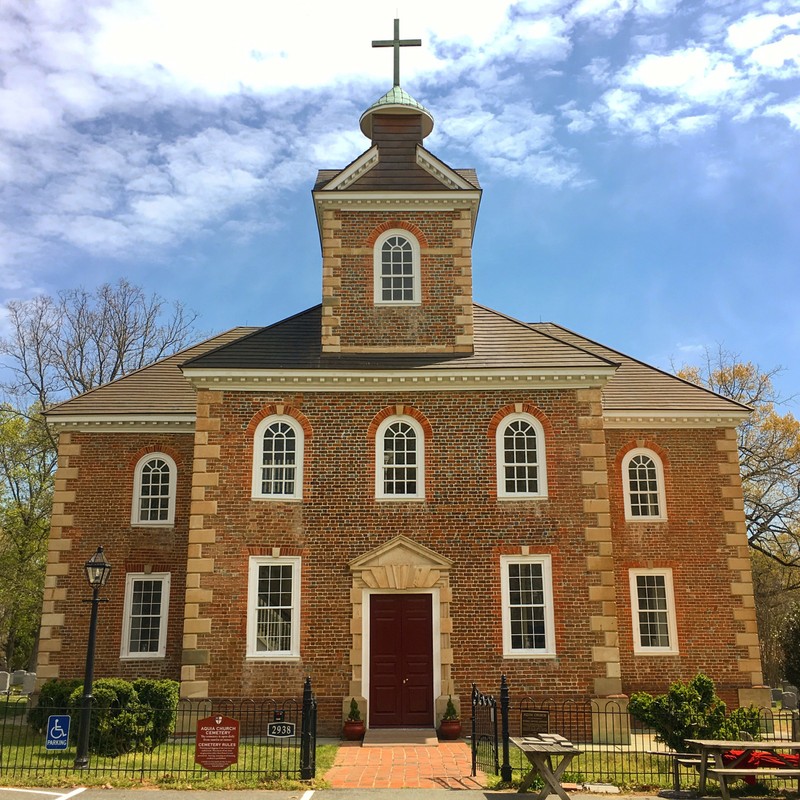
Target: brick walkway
<point x="446" y="766"/>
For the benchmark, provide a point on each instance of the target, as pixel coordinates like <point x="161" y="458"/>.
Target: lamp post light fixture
<point x="97" y="570"/>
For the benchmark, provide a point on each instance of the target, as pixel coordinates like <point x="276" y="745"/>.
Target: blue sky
<point x="639" y="158"/>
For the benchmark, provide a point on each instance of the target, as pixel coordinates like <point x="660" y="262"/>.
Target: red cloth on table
<point x="759" y="758"/>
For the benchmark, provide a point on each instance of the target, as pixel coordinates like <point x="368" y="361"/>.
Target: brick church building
<point x="400" y="491"/>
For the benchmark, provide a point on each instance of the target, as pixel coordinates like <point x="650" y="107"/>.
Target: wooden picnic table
<point x="711" y="762"/>
<point x="539" y="750"/>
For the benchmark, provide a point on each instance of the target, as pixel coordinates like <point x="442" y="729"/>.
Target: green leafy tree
<point x="27" y="461"/>
<point x="692" y="711"/>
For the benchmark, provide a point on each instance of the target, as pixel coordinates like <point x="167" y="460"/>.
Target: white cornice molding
<point x="445" y="200"/>
<point x="387" y="380"/>
<point x="123" y="423"/>
<point x="669" y="418"/>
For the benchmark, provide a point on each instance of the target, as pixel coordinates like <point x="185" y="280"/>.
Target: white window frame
<point x="500" y="454"/>
<point x="626" y="486"/>
<point x="378" y="268"/>
<point x="137" y="492"/>
<point x="258" y="453"/>
<point x="293" y="653"/>
<point x="130" y="579"/>
<point x="380" y="494"/>
<point x="672" y="625"/>
<point x="549" y="650"/>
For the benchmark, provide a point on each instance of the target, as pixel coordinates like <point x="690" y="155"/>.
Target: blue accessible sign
<point x="57" y="732"/>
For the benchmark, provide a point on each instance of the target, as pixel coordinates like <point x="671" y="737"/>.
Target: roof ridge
<point x="545" y="333"/>
<point x="252" y="334"/>
<point x="643" y="364"/>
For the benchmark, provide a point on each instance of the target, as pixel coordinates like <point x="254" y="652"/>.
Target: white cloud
<point x="758" y="29"/>
<point x="693" y="73"/>
<point x="789" y="110"/>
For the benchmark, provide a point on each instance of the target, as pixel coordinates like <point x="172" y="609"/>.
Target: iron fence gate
<point x="277" y="739"/>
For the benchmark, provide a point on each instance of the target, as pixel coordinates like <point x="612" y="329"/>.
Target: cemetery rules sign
<point x="217" y="742"/>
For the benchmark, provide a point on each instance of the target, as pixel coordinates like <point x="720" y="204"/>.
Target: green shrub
<point x="127" y="716"/>
<point x="692" y="711"/>
<point x="161" y="697"/>
<point x="53" y="699"/>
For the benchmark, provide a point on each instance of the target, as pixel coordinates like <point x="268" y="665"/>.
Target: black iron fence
<point x="617" y="748"/>
<point x="270" y="739"/>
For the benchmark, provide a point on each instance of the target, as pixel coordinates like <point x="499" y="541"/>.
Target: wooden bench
<point x="723" y="773"/>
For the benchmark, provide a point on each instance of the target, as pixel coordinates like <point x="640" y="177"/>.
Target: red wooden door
<point x="401" y="661"/>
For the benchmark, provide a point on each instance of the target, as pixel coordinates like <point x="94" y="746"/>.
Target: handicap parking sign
<point x="57" y="732"/>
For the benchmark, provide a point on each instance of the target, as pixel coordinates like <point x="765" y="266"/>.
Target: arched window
<point x="521" y="467"/>
<point x="278" y="459"/>
<point x="643" y="484"/>
<point x="400" y="459"/>
<point x="396" y="263"/>
<point x="154" y="485"/>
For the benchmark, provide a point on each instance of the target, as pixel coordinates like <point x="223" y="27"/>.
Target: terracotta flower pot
<point x="450" y="729"/>
<point x="354" y="730"/>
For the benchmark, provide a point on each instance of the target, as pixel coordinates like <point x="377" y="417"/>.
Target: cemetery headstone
<point x="789" y="701"/>
<point x="17" y="676"/>
<point x="5" y="682"/>
<point x="777" y="695"/>
<point x="29" y="683"/>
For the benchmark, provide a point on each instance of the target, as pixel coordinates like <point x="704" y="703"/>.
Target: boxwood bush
<point x="125" y="716"/>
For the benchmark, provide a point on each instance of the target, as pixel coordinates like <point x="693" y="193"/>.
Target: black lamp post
<point x="97" y="570"/>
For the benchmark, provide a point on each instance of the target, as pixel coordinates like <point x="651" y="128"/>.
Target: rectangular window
<point x="144" y="633"/>
<point x="653" y="609"/>
<point x="273" y="629"/>
<point x="527" y="594"/>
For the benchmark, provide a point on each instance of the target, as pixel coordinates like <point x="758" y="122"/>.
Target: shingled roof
<point x="294" y="344"/>
<point x="157" y="389"/>
<point x="637" y="386"/>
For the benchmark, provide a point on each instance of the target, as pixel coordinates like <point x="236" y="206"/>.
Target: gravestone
<point x="29" y="683"/>
<point x="789" y="701"/>
<point x="777" y="695"/>
<point x="5" y="680"/>
<point x="790" y="688"/>
<point x="17" y="676"/>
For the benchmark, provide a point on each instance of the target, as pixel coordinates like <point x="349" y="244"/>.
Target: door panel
<point x="401" y="660"/>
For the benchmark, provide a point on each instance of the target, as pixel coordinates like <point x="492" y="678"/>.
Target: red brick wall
<point x="692" y="542"/>
<point x="339" y="519"/>
<point x="102" y="516"/>
<point x="433" y="322"/>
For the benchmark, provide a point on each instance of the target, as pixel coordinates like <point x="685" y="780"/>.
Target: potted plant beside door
<point x="354" y="726"/>
<point x="450" y="726"/>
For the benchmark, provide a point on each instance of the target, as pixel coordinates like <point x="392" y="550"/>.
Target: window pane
<point x="279" y="460"/>
<point x="145" y="620"/>
<point x="154" y="492"/>
<point x="651" y="596"/>
<point x="643" y="487"/>
<point x="520" y="458"/>
<point x="400" y="460"/>
<point x="274" y="608"/>
<point x="397" y="269"/>
<point x="527" y="609"/>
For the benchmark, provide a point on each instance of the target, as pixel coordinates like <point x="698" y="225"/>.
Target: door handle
<point x="405" y="680"/>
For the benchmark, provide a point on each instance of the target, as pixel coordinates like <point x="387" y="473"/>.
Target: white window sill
<point x="523" y="655"/>
<point x="277" y="498"/>
<point x="398" y="303"/>
<point x="400" y="499"/>
<point x="141" y="656"/>
<point x="152" y="524"/>
<point x="655" y="652"/>
<point x="645" y="520"/>
<point x="271" y="659"/>
<point x="518" y="497"/>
